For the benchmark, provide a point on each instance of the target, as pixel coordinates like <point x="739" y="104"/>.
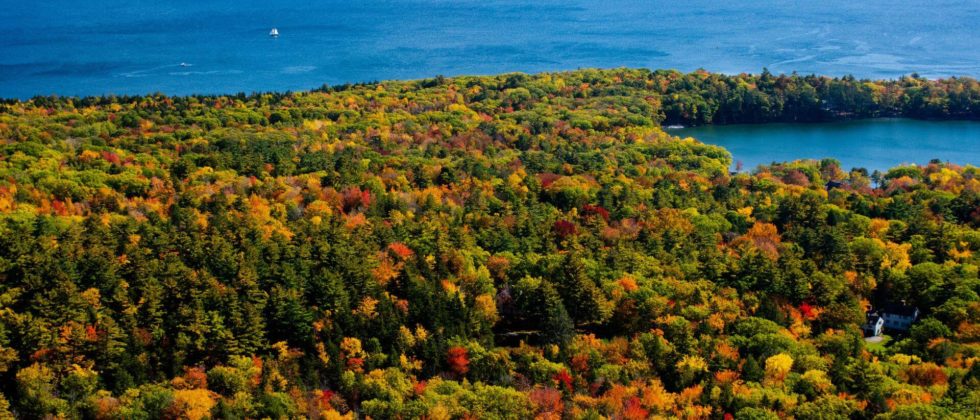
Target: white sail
<point x="274" y="32"/>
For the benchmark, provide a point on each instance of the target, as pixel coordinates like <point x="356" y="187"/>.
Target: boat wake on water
<point x="208" y="72"/>
<point x="171" y="70"/>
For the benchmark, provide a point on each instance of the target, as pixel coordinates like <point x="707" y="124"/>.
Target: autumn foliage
<point x="458" y="360"/>
<point x="512" y="246"/>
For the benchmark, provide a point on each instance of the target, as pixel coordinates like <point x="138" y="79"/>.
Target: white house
<point x="899" y="317"/>
<point x="892" y="316"/>
<point x="874" y="326"/>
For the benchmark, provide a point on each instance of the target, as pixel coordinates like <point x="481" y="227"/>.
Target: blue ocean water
<point x="875" y="144"/>
<point x="136" y="46"/>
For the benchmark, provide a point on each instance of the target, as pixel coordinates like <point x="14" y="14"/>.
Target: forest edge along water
<point x="873" y="144"/>
<point x="871" y="124"/>
<point x="116" y="47"/>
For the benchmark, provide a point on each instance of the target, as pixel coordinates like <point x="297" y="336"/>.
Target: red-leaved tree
<point x="458" y="359"/>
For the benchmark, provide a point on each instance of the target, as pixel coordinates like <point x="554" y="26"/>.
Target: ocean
<point x="138" y="46"/>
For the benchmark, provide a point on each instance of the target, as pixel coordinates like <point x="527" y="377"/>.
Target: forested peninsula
<point x="514" y="246"/>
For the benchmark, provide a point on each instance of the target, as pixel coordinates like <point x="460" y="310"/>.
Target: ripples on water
<point x="82" y="48"/>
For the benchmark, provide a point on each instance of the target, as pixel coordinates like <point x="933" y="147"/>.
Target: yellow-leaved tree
<point x="778" y="366"/>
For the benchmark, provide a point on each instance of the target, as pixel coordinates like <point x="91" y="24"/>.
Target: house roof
<point x="899" y="309"/>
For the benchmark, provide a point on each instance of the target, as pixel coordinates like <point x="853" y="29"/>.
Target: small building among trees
<point x="898" y="317"/>
<point x="874" y="326"/>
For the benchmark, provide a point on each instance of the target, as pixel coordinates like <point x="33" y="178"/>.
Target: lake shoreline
<point x="668" y="128"/>
<point x="872" y="144"/>
<point x="700" y="101"/>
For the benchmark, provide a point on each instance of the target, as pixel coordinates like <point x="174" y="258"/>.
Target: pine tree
<point x="582" y="298"/>
<point x="556" y="325"/>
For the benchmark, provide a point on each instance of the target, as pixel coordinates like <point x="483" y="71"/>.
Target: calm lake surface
<point x="872" y="144"/>
<point x="137" y="46"/>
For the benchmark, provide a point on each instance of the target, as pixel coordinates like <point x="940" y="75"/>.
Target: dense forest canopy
<point x="511" y="246"/>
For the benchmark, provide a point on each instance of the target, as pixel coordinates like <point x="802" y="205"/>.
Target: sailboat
<point x="274" y="33"/>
